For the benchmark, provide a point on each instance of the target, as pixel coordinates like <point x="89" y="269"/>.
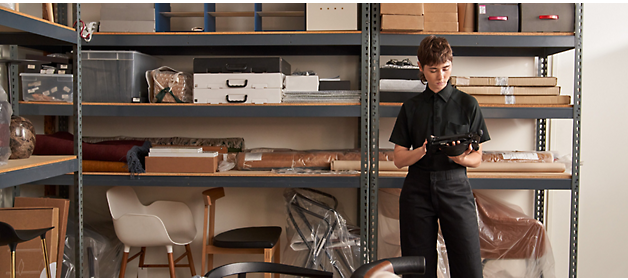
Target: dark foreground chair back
<point x="400" y="266"/>
<point x="12" y="237"/>
<point x="242" y="268"/>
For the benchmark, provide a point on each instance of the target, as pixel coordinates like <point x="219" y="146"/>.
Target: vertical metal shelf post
<point x="374" y="130"/>
<point x="575" y="161"/>
<point x="364" y="133"/>
<point x="541" y="145"/>
<point x="78" y="149"/>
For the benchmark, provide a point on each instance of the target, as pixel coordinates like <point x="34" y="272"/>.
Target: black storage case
<point x="490" y="17"/>
<point x="241" y="65"/>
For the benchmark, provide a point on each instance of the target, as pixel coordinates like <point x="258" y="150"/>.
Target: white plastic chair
<point x="162" y="223"/>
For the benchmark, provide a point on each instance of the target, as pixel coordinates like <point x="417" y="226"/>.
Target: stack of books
<point x="512" y="90"/>
<point x="168" y="159"/>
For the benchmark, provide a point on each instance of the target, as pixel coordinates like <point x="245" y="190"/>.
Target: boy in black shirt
<point x="436" y="188"/>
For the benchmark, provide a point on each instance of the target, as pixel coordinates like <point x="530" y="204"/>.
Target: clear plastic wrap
<point x="5" y="122"/>
<point x="267" y="159"/>
<point x="511" y="243"/>
<point x="518" y="156"/>
<point x="318" y="235"/>
<point x="102" y="255"/>
<point x="176" y="85"/>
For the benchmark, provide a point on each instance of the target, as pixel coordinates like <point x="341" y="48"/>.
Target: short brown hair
<point x="432" y="51"/>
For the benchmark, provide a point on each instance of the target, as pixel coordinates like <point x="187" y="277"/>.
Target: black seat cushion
<point x="249" y="237"/>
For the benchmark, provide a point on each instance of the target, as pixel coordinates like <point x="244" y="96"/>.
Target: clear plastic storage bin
<point x="116" y="76"/>
<point x="47" y="87"/>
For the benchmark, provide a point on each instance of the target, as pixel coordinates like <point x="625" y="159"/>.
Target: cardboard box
<point x="466" y="17"/>
<point x="492" y="90"/>
<point x="29" y="258"/>
<point x="441" y="26"/>
<point x="440" y="8"/>
<point x="64" y="208"/>
<point x="181" y="164"/>
<point x="331" y="16"/>
<point x="402" y="23"/>
<point x="524" y="100"/>
<point x="441" y="17"/>
<point x="415" y="9"/>
<point x="503" y="81"/>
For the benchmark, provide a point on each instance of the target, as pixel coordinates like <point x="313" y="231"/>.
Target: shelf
<point x="248" y="179"/>
<point x="193" y="110"/>
<point x="391" y="110"/>
<point x="22" y="29"/>
<point x="232" y="43"/>
<point x="34" y="168"/>
<point x="494" y="180"/>
<point x="482" y="44"/>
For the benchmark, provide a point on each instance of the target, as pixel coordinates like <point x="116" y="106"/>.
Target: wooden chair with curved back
<point x="250" y="240"/>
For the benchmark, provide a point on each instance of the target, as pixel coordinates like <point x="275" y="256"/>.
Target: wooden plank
<point x="33" y="161"/>
<point x="232" y="14"/>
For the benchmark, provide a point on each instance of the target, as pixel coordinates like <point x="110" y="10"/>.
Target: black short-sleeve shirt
<point x="447" y="112"/>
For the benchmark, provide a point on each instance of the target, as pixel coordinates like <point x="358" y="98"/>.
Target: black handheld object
<point x="443" y="143"/>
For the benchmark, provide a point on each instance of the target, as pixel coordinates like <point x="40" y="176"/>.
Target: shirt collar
<point x="444" y="94"/>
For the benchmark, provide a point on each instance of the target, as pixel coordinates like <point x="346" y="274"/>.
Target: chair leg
<point x="171" y="264"/>
<point x="190" y="260"/>
<point x="13" y="247"/>
<point x="277" y="255"/>
<point x="268" y="257"/>
<point x="45" y="252"/>
<point x="125" y="258"/>
<point x="210" y="262"/>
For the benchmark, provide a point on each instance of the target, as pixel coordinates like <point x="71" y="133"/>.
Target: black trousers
<point x="428" y="197"/>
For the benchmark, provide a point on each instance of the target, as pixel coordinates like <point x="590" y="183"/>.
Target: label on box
<point x="46" y="93"/>
<point x="54" y="89"/>
<point x="34" y="84"/>
<point x="507" y="90"/>
<point x="66" y="89"/>
<point x="65" y="96"/>
<point x="253" y="157"/>
<point x="482" y="9"/>
<point x="528" y="156"/>
<point x="31" y="66"/>
<point x="509" y="99"/>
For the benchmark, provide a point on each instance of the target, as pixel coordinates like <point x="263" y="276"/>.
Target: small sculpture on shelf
<point x="22" y="139"/>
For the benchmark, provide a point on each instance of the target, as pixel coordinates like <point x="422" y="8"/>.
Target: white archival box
<point x="216" y="88"/>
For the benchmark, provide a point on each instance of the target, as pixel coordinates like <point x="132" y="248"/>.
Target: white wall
<point x="601" y="240"/>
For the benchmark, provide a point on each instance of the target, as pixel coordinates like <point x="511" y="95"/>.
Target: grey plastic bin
<point x="116" y="76"/>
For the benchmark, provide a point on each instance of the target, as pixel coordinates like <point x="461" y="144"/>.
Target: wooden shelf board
<point x="33" y="161"/>
<point x="225" y="174"/>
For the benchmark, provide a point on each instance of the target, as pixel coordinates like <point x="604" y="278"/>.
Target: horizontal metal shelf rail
<point x="192" y="110"/>
<point x="36" y="173"/>
<point x="495" y="183"/>
<point x="29" y="30"/>
<point x="483" y="44"/>
<point x="289" y="181"/>
<point x="506" y="112"/>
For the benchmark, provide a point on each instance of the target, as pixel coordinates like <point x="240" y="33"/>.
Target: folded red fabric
<point x="62" y="143"/>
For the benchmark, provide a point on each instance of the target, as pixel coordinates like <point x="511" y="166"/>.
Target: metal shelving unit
<point x="25" y="30"/>
<point x="369" y="43"/>
<point x="538" y="45"/>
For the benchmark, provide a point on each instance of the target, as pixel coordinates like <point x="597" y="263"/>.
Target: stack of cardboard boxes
<point x="512" y="90"/>
<point x="402" y="16"/>
<point x="431" y="17"/>
<point x="441" y="17"/>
